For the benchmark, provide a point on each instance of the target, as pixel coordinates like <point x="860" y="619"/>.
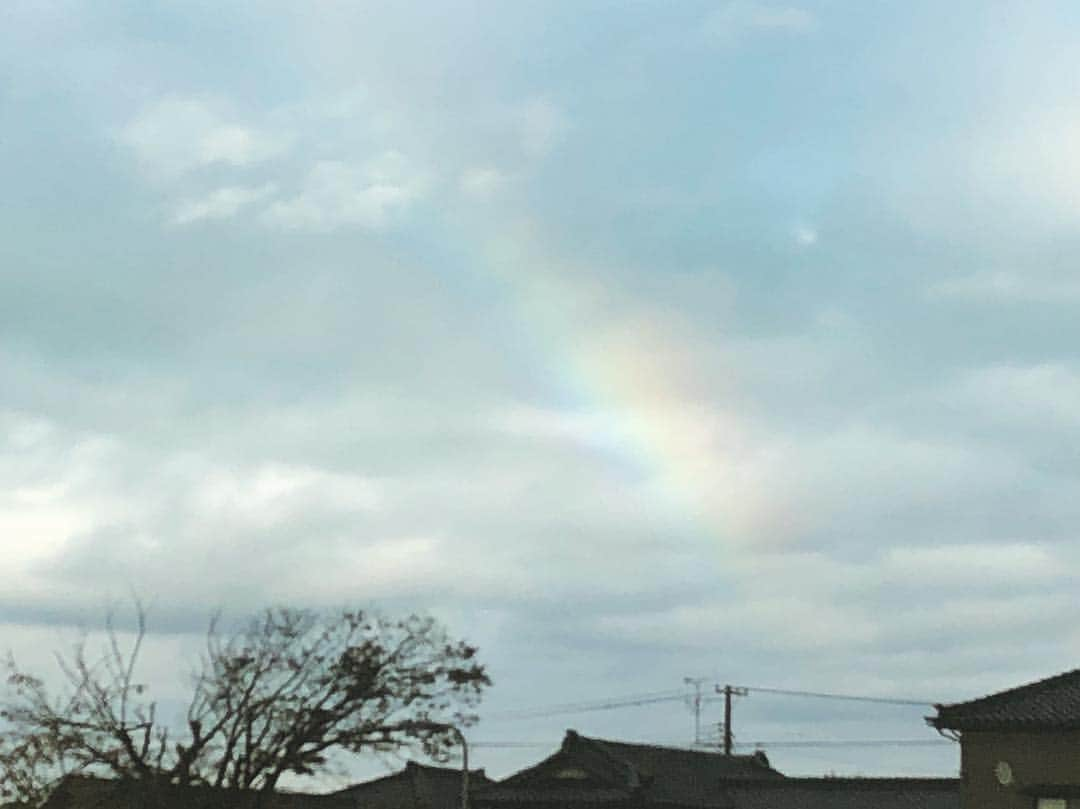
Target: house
<point x="845" y="793"/>
<point x="616" y="774"/>
<point x="588" y="773"/>
<point x="1019" y="748"/>
<point x="87" y="792"/>
<point x="417" y="786"/>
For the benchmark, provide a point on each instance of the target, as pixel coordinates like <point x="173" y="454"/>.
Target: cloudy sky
<point x="635" y="341"/>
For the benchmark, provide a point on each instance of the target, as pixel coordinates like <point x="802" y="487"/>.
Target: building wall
<point x="1035" y="758"/>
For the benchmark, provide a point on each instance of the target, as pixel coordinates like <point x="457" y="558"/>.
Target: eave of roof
<point x="1052" y="703"/>
<point x="1051" y="790"/>
<point x="892" y="783"/>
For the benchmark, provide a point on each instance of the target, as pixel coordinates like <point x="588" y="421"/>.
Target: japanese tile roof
<point x="609" y="771"/>
<point x="86" y="792"/>
<point x="1050" y="704"/>
<point x="417" y="786"/>
<point x="846" y="793"/>
<point x="567" y="796"/>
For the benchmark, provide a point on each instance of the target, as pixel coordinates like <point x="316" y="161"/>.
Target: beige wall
<point x="1035" y="758"/>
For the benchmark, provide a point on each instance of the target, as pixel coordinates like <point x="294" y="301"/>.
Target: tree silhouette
<point x="285" y="694"/>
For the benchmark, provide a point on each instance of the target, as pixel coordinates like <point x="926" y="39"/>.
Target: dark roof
<point x="417" y="786"/>
<point x="602" y="771"/>
<point x="1050" y="704"/>
<point x="846" y="793"/>
<point x="681" y="763"/>
<point x="86" y="792"/>
<point x="1051" y="790"/>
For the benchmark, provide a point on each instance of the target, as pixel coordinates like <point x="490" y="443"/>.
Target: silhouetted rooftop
<point x="1049" y="704"/>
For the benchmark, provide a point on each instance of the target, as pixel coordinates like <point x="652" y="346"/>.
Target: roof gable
<point x="417" y="785"/>
<point x="579" y="768"/>
<point x="1049" y="704"/>
<point x="602" y="770"/>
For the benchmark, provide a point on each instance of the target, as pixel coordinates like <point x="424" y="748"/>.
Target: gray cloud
<point x="629" y="358"/>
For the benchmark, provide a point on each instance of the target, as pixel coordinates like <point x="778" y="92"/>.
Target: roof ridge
<point x="635" y="780"/>
<point x="800" y="780"/>
<point x="668" y="747"/>
<point x="1008" y="693"/>
<point x="448" y="770"/>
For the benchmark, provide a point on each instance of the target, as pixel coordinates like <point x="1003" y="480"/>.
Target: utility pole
<point x="729" y="691"/>
<point x="695" y="703"/>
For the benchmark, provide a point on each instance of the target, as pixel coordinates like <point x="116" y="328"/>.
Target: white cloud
<point x="480" y="182"/>
<point x="583" y="428"/>
<point x="1006" y="287"/>
<point x="1030" y="158"/>
<point x="1040" y="395"/>
<point x="972" y="566"/>
<point x="49" y="487"/>
<point x="788" y="622"/>
<point x="224" y="203"/>
<point x="804" y="235"/>
<point x="542" y="126"/>
<point x="338" y="194"/>
<point x="736" y="18"/>
<point x="269" y="493"/>
<point x="174" y="136"/>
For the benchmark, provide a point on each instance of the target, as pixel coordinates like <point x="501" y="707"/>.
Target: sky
<point x="633" y="341"/>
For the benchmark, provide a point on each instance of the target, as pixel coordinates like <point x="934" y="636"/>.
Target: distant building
<point x="605" y="774"/>
<point x="417" y="786"/>
<point x="587" y="773"/>
<point x="845" y="793"/>
<point x="86" y="792"/>
<point x="584" y="773"/>
<point x="1020" y="748"/>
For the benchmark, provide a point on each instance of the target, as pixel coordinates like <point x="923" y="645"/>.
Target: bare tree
<point x="283" y="695"/>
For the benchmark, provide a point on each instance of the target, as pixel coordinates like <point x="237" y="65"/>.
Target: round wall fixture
<point x="1003" y="773"/>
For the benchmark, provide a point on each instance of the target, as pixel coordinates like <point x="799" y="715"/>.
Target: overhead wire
<point x="847" y="697"/>
<point x="847" y="743"/>
<point x="754" y="744"/>
<point x="655" y="697"/>
<point x="628" y="701"/>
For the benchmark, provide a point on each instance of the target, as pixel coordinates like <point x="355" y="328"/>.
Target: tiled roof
<point x="678" y="762"/>
<point x="417" y="785"/>
<point x="846" y="793"/>
<point x="567" y="796"/>
<point x="85" y="792"/>
<point x="1050" y="704"/>
<point x="614" y="771"/>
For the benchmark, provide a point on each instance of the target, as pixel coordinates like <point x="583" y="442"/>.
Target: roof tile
<point x="1049" y="704"/>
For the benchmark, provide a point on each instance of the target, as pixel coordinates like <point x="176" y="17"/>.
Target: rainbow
<point x="628" y="389"/>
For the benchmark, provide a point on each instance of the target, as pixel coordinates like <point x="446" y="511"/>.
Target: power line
<point x="848" y="697"/>
<point x="655" y="697"/>
<point x="508" y="744"/>
<point x="629" y="701"/>
<point x="848" y="743"/>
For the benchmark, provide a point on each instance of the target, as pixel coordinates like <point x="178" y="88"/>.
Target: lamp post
<point x="460" y="736"/>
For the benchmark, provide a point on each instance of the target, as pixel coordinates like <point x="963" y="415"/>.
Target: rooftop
<point x="599" y="771"/>
<point x="846" y="793"/>
<point x="417" y="785"/>
<point x="87" y="792"/>
<point x="1049" y="704"/>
